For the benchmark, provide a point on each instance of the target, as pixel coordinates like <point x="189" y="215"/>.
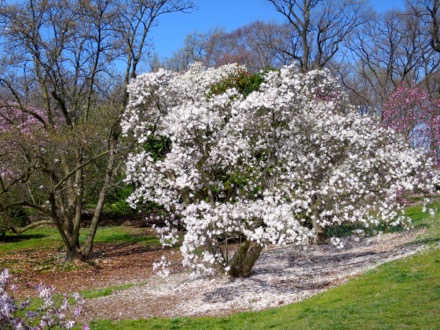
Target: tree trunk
<point x="110" y="170"/>
<point x="73" y="253"/>
<point x="319" y="231"/>
<point x="244" y="259"/>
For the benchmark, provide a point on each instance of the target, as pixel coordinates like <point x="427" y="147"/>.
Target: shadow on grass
<point x="428" y="240"/>
<point x="106" y="250"/>
<point x="129" y="238"/>
<point x="422" y="225"/>
<point x="20" y="238"/>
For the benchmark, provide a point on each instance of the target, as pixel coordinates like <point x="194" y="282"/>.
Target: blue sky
<point x="172" y="29"/>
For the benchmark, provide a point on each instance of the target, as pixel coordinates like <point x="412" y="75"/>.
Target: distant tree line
<point x="374" y="54"/>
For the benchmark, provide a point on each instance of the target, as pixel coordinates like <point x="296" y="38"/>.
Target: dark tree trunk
<point x="244" y="259"/>
<point x="72" y="253"/>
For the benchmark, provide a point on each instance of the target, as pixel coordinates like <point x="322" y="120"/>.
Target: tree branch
<point x="20" y="230"/>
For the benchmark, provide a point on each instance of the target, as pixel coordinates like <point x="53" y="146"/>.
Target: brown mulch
<point x="111" y="264"/>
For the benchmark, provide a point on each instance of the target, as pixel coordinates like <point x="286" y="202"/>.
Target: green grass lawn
<point x="37" y="238"/>
<point x="48" y="237"/>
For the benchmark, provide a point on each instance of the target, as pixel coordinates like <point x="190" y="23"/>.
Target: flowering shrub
<point x="13" y="117"/>
<point x="22" y="138"/>
<point x="18" y="128"/>
<point x="412" y="112"/>
<point x="18" y="315"/>
<point x="276" y="166"/>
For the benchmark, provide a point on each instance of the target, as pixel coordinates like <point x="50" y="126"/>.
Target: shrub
<point x="20" y="315"/>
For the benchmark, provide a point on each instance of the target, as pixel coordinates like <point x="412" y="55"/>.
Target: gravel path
<point x="281" y="276"/>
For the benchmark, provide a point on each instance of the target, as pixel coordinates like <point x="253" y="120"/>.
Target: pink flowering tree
<point x="20" y="128"/>
<point x="279" y="165"/>
<point x="23" y="144"/>
<point x="413" y="112"/>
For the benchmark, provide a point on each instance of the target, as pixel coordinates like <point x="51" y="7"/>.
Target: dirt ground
<point x="111" y="264"/>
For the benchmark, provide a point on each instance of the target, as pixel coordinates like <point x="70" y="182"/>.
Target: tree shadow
<point x="424" y="241"/>
<point x="102" y="251"/>
<point x="20" y="238"/>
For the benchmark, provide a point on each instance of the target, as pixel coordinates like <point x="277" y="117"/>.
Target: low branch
<point x="20" y="230"/>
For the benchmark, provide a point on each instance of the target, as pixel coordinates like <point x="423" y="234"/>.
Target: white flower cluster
<point x="264" y="167"/>
<point x="162" y="267"/>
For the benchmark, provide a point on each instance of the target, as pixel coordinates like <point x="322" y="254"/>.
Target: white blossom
<point x="263" y="167"/>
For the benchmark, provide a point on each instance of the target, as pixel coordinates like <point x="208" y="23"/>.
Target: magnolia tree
<point x="278" y="165"/>
<point x="414" y="113"/>
<point x="23" y="143"/>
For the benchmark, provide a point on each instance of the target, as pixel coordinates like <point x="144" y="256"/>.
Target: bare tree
<point x="252" y="45"/>
<point x="59" y="57"/>
<point x="429" y="10"/>
<point x="434" y="11"/>
<point x="319" y="28"/>
<point x="392" y="48"/>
